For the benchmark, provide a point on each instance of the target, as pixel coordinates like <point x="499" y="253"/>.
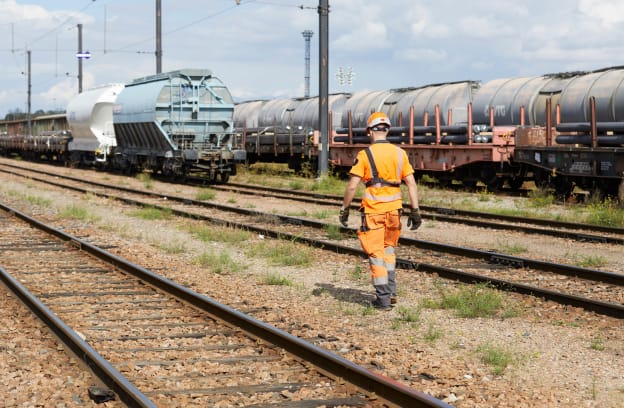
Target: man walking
<point x="381" y="167"/>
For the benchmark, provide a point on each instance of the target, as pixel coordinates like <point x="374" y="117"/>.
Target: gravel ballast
<point x="557" y="356"/>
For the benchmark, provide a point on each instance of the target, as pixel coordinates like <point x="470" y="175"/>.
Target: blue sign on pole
<point x="85" y="54"/>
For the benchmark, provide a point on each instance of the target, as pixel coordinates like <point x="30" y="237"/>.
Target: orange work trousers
<point x="378" y="238"/>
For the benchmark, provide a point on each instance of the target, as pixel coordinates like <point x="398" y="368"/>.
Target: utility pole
<point x="323" y="10"/>
<point x="79" y="58"/>
<point x="29" y="93"/>
<point x="307" y="34"/>
<point x="158" y="37"/>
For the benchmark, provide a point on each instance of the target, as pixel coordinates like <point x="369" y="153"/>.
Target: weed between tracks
<point x="479" y="300"/>
<point x="151" y="213"/>
<point x="33" y="200"/>
<point x="498" y="357"/>
<point x="205" y="194"/>
<point x="221" y="263"/>
<point x="282" y="253"/>
<point x="218" y="234"/>
<point x="76" y="212"/>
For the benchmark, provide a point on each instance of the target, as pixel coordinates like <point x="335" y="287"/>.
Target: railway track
<point x="554" y="228"/>
<point x="562" y="283"/>
<point x="156" y="343"/>
<point x="544" y="227"/>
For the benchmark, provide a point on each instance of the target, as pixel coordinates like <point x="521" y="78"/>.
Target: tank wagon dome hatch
<point x="187" y="111"/>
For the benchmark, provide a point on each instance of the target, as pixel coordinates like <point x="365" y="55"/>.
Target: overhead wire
<point x="72" y="16"/>
<point x="238" y="4"/>
<point x="123" y="49"/>
<point x="120" y="49"/>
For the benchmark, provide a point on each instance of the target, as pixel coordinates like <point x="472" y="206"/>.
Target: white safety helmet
<point x="378" y="118"/>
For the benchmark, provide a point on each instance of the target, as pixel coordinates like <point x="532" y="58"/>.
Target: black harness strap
<point x="376" y="180"/>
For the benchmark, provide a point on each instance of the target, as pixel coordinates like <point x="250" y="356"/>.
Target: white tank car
<point x="90" y="120"/>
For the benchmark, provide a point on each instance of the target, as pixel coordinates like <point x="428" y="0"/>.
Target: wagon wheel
<point x="444" y="181"/>
<point x="212" y="176"/>
<point x="224" y="177"/>
<point x="611" y="188"/>
<point x="490" y="179"/>
<point x="470" y="184"/>
<point x="515" y="182"/>
<point x="494" y="184"/>
<point x="563" y="186"/>
<point x="541" y="179"/>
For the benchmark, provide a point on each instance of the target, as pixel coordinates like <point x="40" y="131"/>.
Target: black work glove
<point x="413" y="219"/>
<point x="344" y="216"/>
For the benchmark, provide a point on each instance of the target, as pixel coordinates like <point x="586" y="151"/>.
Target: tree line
<point x="17" y="114"/>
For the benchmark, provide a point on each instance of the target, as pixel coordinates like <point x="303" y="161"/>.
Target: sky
<point x="257" y="49"/>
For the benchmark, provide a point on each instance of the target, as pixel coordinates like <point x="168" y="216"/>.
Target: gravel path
<point x="558" y="357"/>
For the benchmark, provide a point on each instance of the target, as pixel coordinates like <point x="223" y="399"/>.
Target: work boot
<point x="393" y="300"/>
<point x="378" y="304"/>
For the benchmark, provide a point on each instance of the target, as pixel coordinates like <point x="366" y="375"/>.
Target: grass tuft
<point x="75" y="212"/>
<point x="277" y="280"/>
<point x="205" y="194"/>
<point x="221" y="263"/>
<point x="469" y="301"/>
<point x="497" y="357"/>
<point x="151" y="213"/>
<point x="283" y="253"/>
<point x="218" y="234"/>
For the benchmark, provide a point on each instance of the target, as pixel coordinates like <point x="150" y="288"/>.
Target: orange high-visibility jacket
<point x="392" y="166"/>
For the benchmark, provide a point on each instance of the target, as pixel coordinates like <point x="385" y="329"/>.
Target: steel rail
<point x="332" y="364"/>
<point x="108" y="374"/>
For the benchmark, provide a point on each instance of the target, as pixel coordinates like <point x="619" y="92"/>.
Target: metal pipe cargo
<point x="418" y="130"/>
<point x="603" y="140"/>
<point x="585" y="127"/>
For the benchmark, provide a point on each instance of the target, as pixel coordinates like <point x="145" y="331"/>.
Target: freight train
<point x="176" y="124"/>
<point x="561" y="131"/>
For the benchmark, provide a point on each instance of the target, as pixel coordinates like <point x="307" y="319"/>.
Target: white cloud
<point x="61" y="93"/>
<point x="421" y="55"/>
<point x="258" y="51"/>
<point x="607" y="12"/>
<point x="369" y="36"/>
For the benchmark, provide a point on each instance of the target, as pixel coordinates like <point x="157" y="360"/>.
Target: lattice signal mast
<point x="307" y="35"/>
